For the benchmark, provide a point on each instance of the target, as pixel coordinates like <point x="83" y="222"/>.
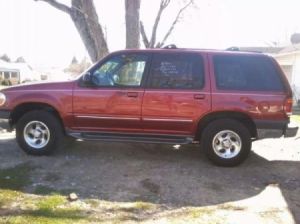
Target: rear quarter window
<point x="248" y="73"/>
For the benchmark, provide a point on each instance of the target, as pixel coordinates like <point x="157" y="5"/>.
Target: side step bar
<point x="121" y="137"/>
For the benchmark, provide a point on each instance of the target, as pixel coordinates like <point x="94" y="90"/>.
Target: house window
<point x="6" y="75"/>
<point x="14" y="75"/>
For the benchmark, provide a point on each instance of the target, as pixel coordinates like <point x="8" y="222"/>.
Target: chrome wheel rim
<point x="36" y="134"/>
<point x="227" y="144"/>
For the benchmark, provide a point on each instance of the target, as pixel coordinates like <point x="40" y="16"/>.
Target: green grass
<point x="31" y="208"/>
<point x="39" y="209"/>
<point x="296" y="118"/>
<point x="15" y="178"/>
<point x="9" y="196"/>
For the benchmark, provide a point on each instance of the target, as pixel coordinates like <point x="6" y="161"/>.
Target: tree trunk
<point x="132" y="19"/>
<point x="85" y="18"/>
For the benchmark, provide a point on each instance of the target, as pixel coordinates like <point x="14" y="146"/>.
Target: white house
<point x="53" y="74"/>
<point x="289" y="60"/>
<point x="16" y="72"/>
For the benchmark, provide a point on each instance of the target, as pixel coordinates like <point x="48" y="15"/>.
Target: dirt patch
<point x="16" y="178"/>
<point x="172" y="182"/>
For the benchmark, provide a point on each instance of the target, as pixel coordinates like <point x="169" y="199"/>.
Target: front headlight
<point x="2" y="99"/>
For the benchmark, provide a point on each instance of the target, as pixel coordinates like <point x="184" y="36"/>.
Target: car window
<point x="121" y="70"/>
<point x="172" y="71"/>
<point x="249" y="73"/>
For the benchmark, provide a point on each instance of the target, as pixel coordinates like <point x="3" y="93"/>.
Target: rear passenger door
<point x="177" y="93"/>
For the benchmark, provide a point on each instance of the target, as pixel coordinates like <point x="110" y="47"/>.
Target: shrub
<point x="6" y="82"/>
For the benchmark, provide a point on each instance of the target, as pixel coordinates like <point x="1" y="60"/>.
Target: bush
<point x="6" y="82"/>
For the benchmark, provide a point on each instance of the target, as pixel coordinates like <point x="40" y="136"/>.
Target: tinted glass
<point x="249" y="73"/>
<point x="183" y="71"/>
<point x="122" y="70"/>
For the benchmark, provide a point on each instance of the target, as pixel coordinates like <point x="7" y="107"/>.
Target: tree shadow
<point x="159" y="174"/>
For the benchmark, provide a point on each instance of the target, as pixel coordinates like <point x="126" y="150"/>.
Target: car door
<point x="177" y="93"/>
<point x="112" y="100"/>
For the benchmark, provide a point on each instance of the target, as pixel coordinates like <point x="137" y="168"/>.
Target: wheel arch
<point x="239" y="116"/>
<point x="23" y="108"/>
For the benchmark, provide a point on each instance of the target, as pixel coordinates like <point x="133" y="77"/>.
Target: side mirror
<point x="87" y="78"/>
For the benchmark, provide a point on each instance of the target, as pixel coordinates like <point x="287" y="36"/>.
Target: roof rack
<point x="170" y="46"/>
<point x="233" y="49"/>
<point x="238" y="49"/>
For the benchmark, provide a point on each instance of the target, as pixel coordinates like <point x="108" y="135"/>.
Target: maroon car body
<point x="141" y="110"/>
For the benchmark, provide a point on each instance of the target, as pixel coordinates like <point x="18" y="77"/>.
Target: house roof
<point x="12" y="66"/>
<point x="290" y="48"/>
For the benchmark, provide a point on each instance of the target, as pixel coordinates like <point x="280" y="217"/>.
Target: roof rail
<point x="170" y="46"/>
<point x="233" y="49"/>
<point x="238" y="49"/>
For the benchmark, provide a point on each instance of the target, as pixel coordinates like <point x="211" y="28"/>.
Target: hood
<point x="43" y="86"/>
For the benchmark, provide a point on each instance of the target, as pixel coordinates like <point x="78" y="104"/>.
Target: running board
<point x="142" y="138"/>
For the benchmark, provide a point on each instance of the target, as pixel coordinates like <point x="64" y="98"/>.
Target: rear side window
<point x="177" y="71"/>
<point x="248" y="73"/>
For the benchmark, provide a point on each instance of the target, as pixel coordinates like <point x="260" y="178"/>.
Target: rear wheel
<point x="39" y="133"/>
<point x="226" y="142"/>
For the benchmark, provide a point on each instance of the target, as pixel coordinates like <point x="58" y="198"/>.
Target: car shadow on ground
<point x="161" y="174"/>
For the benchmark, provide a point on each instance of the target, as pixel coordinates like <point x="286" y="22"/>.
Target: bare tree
<point x="85" y="18"/>
<point x="132" y="19"/>
<point x="4" y="57"/>
<point x="20" y="60"/>
<point x="152" y="42"/>
<point x="295" y="38"/>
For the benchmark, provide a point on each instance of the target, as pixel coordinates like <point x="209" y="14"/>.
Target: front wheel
<point x="226" y="142"/>
<point x="39" y="133"/>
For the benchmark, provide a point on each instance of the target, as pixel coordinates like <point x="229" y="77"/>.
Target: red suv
<point x="220" y="99"/>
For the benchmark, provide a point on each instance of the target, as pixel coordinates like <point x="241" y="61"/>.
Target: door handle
<point x="199" y="96"/>
<point x="132" y="94"/>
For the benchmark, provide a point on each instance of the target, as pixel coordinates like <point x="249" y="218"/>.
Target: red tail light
<point x="288" y="104"/>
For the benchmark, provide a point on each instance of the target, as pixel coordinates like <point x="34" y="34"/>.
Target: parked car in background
<point x="222" y="100"/>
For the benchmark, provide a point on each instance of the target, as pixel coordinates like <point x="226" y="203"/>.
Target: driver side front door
<point x="113" y="101"/>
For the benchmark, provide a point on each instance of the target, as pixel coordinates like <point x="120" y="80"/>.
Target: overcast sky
<point x="46" y="37"/>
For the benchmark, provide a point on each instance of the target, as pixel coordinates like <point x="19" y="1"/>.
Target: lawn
<point x="18" y="208"/>
<point x="46" y="205"/>
<point x="296" y="118"/>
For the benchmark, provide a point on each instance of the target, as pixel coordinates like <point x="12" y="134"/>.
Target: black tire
<point x="213" y="129"/>
<point x="54" y="128"/>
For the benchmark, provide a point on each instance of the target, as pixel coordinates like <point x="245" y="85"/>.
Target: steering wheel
<point x="102" y="79"/>
<point x="95" y="80"/>
<point x="110" y="78"/>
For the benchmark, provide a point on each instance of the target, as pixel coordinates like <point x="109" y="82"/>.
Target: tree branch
<point x="57" y="5"/>
<point x="163" y="5"/>
<point x="144" y="35"/>
<point x="174" y="23"/>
